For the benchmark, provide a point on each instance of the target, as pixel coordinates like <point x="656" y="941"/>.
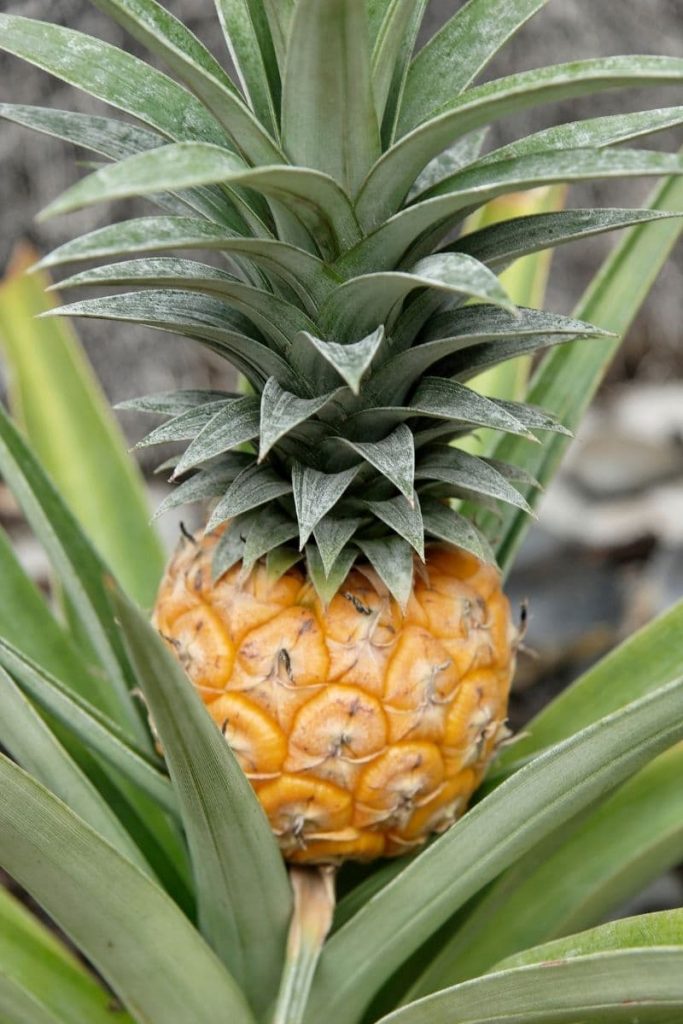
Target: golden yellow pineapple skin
<point x="363" y="729"/>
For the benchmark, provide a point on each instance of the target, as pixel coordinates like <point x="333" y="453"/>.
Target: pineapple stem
<point x="314" y="900"/>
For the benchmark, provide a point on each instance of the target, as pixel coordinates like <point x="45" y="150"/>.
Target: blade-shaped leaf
<point x="362" y="303"/>
<point x="34" y="746"/>
<point x="394" y="173"/>
<point x="230" y="426"/>
<point x="567" y="384"/>
<point x="300" y="269"/>
<point x="519" y="814"/>
<point x="446" y="65"/>
<point x="387" y="24"/>
<point x="267" y="530"/>
<point x="351" y="361"/>
<point x="315" y="493"/>
<point x="605" y="986"/>
<point x="247" y="34"/>
<point x="328" y="113"/>
<point x="254" y="486"/>
<point x="462" y="153"/>
<point x="93" y="729"/>
<point x="446" y="398"/>
<point x="467" y="473"/>
<point x="209" y="483"/>
<point x="230" y="547"/>
<point x="315" y="197"/>
<point x="39" y="965"/>
<point x="446" y="524"/>
<point x="331" y="537"/>
<point x="187" y="424"/>
<point x="55" y="397"/>
<point x="281" y="411"/>
<point x="573" y="879"/>
<point x="502" y="243"/>
<point x="173" y="403"/>
<point x="242" y="888"/>
<point x="392" y="559"/>
<point x="168" y="37"/>
<point x="61" y="862"/>
<point x="273" y="316"/>
<point x="474" y="186"/>
<point x="279" y="14"/>
<point x="404" y="518"/>
<point x="401" y="66"/>
<point x="393" y="457"/>
<point x="328" y="583"/>
<point x="111" y="75"/>
<point x="78" y="566"/>
<point x="103" y="135"/>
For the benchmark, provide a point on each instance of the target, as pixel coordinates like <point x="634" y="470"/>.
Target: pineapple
<point x="340" y="615"/>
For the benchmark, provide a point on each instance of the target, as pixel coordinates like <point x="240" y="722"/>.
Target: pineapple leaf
<point x="32" y="744"/>
<point x="392" y="175"/>
<point x="457" y="54"/>
<point x="61" y="861"/>
<point x="565" y="386"/>
<point x="477" y="185"/>
<point x="243" y="893"/>
<point x="351" y="361"/>
<point x="269" y="529"/>
<point x="392" y="559"/>
<point x="467" y="473"/>
<point x="401" y="66"/>
<point x="279" y="560"/>
<point x="393" y="457"/>
<point x="599" y="987"/>
<point x="363" y="302"/>
<point x="249" y="41"/>
<point x="78" y="566"/>
<point x="105" y="135"/>
<point x="273" y="316"/>
<point x="253" y="487"/>
<point x="560" y="887"/>
<point x="281" y="411"/>
<point x="173" y="403"/>
<point x="194" y="316"/>
<point x="328" y="113"/>
<point x="557" y="785"/>
<point x="462" y="153"/>
<point x="169" y="39"/>
<point x="209" y="483"/>
<point x="279" y="14"/>
<point x="332" y="534"/>
<point x="387" y="31"/>
<point x="155" y="234"/>
<point x="328" y="583"/>
<point x="507" y="241"/>
<point x="436" y="396"/>
<point x="97" y="732"/>
<point x="112" y="75"/>
<point x="595" y="132"/>
<point x="315" y="197"/>
<point x="446" y="524"/>
<point x="315" y="494"/>
<point x="404" y="518"/>
<point x="231" y="425"/>
<point x="187" y="425"/>
<point x="230" y="547"/>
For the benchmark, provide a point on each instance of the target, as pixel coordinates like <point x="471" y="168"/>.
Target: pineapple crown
<point x="333" y="180"/>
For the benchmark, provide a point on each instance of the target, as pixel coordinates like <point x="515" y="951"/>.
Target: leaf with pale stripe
<point x="281" y="411"/>
<point x="393" y="457"/>
<point x="403" y="518"/>
<point x="315" y="494"/>
<point x="332" y="534"/>
<point x="254" y="486"/>
<point x="231" y="425"/>
<point x="392" y="558"/>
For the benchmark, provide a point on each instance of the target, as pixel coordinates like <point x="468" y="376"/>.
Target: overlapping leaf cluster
<point x="330" y="181"/>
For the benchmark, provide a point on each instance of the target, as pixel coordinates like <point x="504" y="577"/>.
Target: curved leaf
<point x="61" y="861"/>
<point x="247" y="34"/>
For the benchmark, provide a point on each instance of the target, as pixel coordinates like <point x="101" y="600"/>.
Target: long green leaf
<point x="100" y="900"/>
<point x="566" y="382"/>
<point x="111" y="75"/>
<point x="446" y="65"/>
<point x="328" y="113"/>
<point x="318" y="200"/>
<point x="532" y="804"/>
<point x="154" y="26"/>
<point x="573" y="879"/>
<point x="38" y="964"/>
<point x="78" y="566"/>
<point x="55" y="397"/>
<point x="663" y="928"/>
<point x="644" y="985"/>
<point x="247" y="33"/>
<point x="242" y="888"/>
<point x="94" y="730"/>
<point x="391" y="177"/>
<point x="32" y="744"/>
<point x="473" y="186"/>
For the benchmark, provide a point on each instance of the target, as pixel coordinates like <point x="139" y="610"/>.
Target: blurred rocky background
<point x="607" y="554"/>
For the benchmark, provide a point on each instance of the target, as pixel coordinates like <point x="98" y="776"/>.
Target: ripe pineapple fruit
<point x="340" y="618"/>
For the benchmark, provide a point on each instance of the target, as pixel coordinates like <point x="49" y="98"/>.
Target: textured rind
<point x="362" y="729"/>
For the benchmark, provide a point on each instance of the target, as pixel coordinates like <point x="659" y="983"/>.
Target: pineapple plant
<point x="341" y="617"/>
